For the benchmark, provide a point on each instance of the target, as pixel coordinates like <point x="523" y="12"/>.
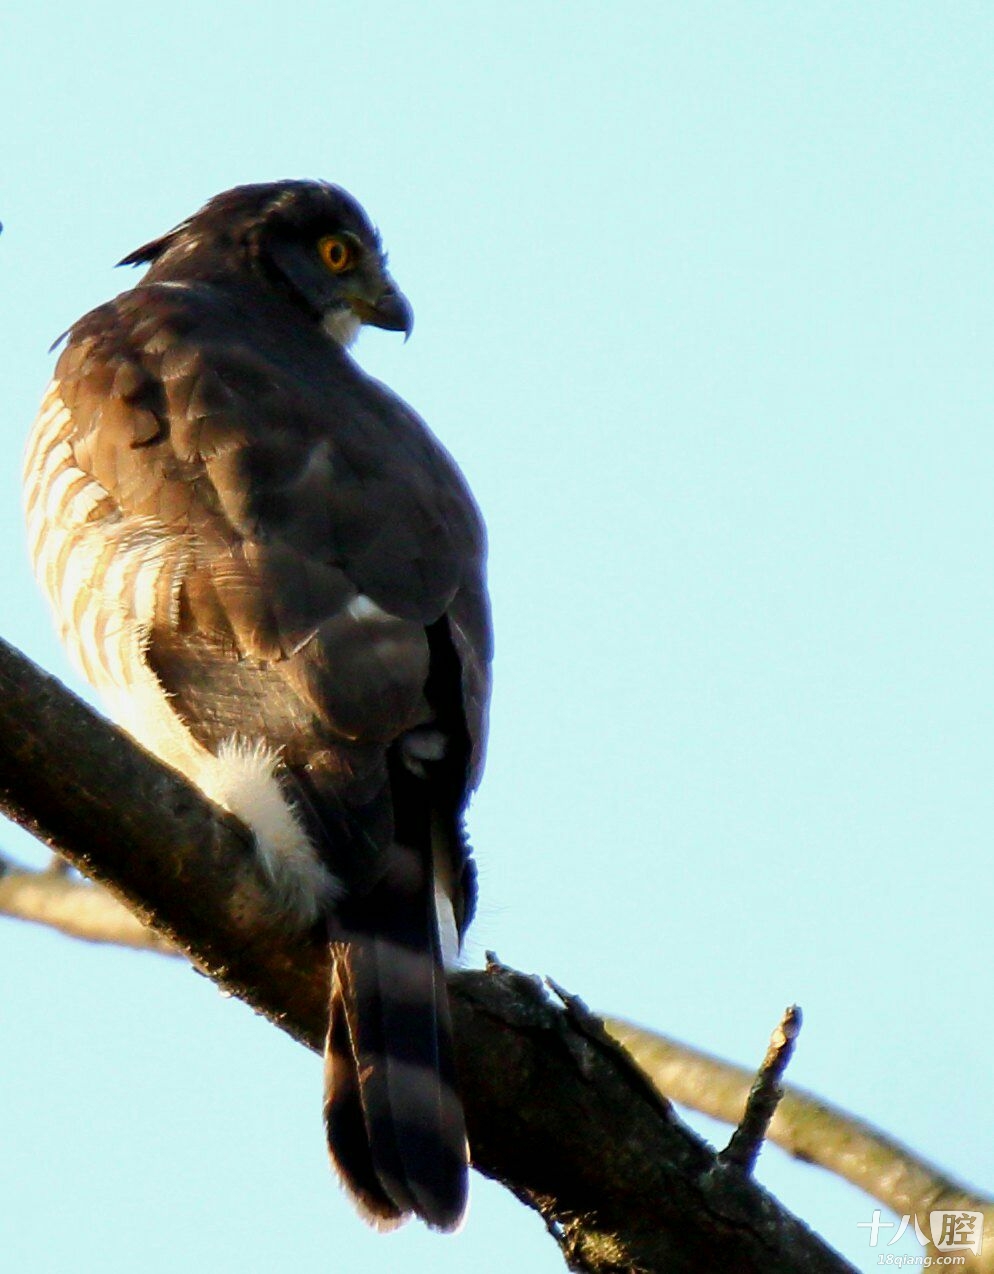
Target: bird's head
<point x="309" y="239"/>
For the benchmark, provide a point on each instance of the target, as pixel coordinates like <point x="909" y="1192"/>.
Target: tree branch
<point x="764" y="1096"/>
<point x="75" y="908"/>
<point x="809" y="1129"/>
<point x="805" y="1126"/>
<point x="554" y="1113"/>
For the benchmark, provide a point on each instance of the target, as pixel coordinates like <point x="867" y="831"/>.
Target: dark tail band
<point x="395" y="1122"/>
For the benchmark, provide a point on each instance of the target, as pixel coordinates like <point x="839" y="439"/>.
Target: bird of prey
<point x="275" y="575"/>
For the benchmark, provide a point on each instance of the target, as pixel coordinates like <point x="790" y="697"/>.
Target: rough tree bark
<point x="556" y="1111"/>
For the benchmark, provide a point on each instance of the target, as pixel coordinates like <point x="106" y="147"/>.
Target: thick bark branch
<point x="554" y="1112"/>
<point x="804" y="1125"/>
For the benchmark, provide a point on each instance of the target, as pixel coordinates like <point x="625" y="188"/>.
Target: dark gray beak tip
<point x="392" y="312"/>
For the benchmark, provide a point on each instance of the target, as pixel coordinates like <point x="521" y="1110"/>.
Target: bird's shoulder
<point x="193" y="365"/>
<point x="219" y="410"/>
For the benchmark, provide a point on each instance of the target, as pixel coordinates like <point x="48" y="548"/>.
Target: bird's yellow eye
<point x="337" y="253"/>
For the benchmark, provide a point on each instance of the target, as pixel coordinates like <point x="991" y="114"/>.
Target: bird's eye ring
<point x="337" y="253"/>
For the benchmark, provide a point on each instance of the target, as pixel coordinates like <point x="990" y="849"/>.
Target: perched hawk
<point x="275" y="575"/>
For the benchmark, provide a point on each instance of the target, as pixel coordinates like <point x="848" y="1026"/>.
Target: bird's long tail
<point x="394" y="1119"/>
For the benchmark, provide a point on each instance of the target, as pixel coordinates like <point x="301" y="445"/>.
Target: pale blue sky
<point x="704" y="310"/>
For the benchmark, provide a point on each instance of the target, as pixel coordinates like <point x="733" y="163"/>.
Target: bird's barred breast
<point x="105" y="575"/>
<point x="85" y="555"/>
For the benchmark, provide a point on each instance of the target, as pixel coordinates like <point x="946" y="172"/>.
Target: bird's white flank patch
<point x="244" y="781"/>
<point x="363" y="607"/>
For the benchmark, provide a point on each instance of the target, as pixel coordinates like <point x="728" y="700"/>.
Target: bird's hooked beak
<point x="391" y="310"/>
